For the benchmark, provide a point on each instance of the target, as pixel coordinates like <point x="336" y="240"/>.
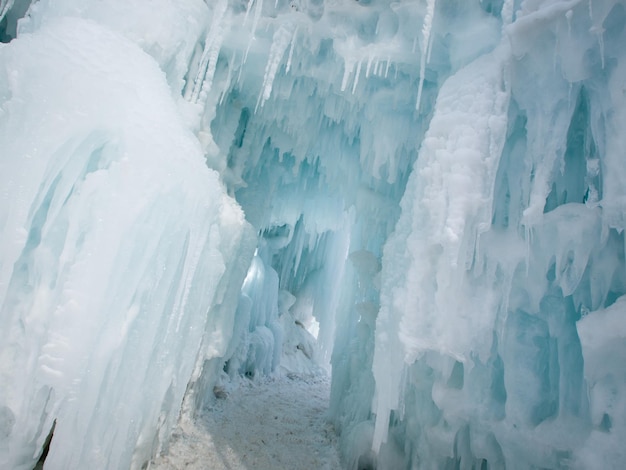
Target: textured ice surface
<point x="115" y="240"/>
<point x="508" y="251"/>
<point x="438" y="193"/>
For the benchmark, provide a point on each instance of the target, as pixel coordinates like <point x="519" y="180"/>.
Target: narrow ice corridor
<point x="312" y="234"/>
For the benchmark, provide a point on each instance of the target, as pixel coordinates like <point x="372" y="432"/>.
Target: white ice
<point x="425" y="198"/>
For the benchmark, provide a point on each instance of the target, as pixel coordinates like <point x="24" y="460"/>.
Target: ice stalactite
<point x="426" y="47"/>
<point x="440" y="213"/>
<point x="283" y="38"/>
<point x="212" y="44"/>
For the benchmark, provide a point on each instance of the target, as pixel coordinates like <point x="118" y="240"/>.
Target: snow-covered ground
<point x="274" y="422"/>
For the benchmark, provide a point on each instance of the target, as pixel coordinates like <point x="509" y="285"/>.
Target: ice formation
<point x="116" y="242"/>
<point x="428" y="195"/>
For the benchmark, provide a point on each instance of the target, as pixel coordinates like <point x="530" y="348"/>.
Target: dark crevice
<point x="580" y="179"/>
<point x="46" y="448"/>
<point x="8" y="25"/>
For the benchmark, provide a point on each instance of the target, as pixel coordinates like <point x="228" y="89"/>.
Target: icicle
<point x="528" y="240"/>
<point x="555" y="54"/>
<point x="210" y="54"/>
<point x="430" y="50"/>
<point x="255" y="24"/>
<point x="368" y="68"/>
<point x="507" y="12"/>
<point x="347" y="71"/>
<point x="426" y="30"/>
<point x="229" y="77"/>
<point x="248" y="8"/>
<point x="293" y="40"/>
<point x="387" y="67"/>
<point x="243" y="62"/>
<point x="282" y="38"/>
<point x="598" y="30"/>
<point x="420" y="86"/>
<point x="257" y="16"/>
<point x="356" y="76"/>
<point x="568" y="17"/>
<point x="378" y="68"/>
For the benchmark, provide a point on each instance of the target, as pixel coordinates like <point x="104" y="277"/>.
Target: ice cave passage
<point x="207" y="205"/>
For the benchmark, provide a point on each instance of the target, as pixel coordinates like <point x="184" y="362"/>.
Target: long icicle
<point x="212" y="46"/>
<point x="426" y="33"/>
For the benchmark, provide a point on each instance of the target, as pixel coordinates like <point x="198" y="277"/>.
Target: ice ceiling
<point x="428" y="195"/>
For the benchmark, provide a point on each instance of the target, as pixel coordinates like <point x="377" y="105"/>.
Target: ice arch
<point x="434" y="189"/>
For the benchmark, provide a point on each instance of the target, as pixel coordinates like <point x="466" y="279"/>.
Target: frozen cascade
<point x="84" y="306"/>
<point x="447" y="208"/>
<point x="496" y="374"/>
<point x="425" y="198"/>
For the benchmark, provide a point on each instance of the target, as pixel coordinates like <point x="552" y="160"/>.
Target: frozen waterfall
<point x="426" y="198"/>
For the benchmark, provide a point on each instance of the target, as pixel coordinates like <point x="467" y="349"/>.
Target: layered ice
<point x="508" y="250"/>
<point x="436" y="191"/>
<point x="116" y="249"/>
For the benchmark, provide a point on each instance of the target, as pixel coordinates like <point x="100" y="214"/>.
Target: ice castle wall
<point x="437" y="191"/>
<point x="118" y="244"/>
<point x="506" y="268"/>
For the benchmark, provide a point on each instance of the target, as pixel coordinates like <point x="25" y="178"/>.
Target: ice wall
<point x="118" y="246"/>
<point x="505" y="273"/>
<point x="467" y="348"/>
<point x="436" y="191"/>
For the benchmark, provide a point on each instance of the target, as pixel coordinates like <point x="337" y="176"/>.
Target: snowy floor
<point x="274" y="423"/>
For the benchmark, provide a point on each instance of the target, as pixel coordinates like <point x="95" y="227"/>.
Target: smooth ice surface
<point x="436" y="192"/>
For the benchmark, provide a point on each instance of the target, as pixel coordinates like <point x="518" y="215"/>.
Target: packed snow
<point x="276" y="422"/>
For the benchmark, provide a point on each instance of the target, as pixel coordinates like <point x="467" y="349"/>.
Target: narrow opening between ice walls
<point x="208" y="205"/>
